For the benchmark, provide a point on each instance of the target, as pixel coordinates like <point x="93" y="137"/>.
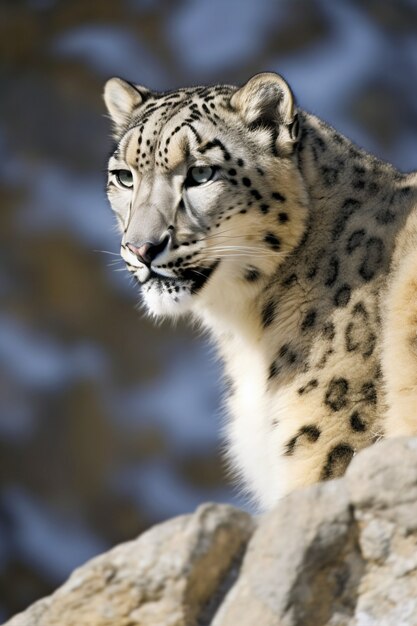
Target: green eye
<point x="200" y="175"/>
<point x="124" y="178"/>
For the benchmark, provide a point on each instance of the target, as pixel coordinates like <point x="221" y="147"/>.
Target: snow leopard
<point x="294" y="248"/>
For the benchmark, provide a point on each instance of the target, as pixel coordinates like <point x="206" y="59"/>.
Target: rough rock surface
<point x="342" y="553"/>
<point x="169" y="576"/>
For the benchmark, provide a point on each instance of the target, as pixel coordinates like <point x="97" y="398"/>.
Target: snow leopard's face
<point x="205" y="188"/>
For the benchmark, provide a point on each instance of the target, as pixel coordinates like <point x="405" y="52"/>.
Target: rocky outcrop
<point x="342" y="553"/>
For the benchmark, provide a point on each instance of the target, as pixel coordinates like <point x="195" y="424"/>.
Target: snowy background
<point x="108" y="424"/>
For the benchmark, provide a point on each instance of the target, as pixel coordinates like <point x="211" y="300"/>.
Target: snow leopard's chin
<point x="166" y="298"/>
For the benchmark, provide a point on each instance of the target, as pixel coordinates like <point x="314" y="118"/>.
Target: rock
<point x="383" y="491"/>
<point x="167" y="576"/>
<point x="341" y="553"/>
<point x="302" y="564"/>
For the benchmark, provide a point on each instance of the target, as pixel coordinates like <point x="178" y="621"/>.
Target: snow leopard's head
<point x="205" y="186"/>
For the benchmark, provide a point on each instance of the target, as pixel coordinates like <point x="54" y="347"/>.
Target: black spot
<point x="358" y="169"/>
<point x="215" y="143"/>
<point x="312" y="384"/>
<point x="349" y="206"/>
<point x="309" y="320"/>
<point x="329" y="331"/>
<point x="285" y="357"/>
<point x="291" y="358"/>
<point x="278" y="196"/>
<point x="268" y="313"/>
<point x="285" y="352"/>
<point x="310" y="432"/>
<point x="315" y="264"/>
<point x="355" y="240"/>
<point x="337" y="461"/>
<point x="290" y="445"/>
<point x="330" y="175"/>
<point x="283" y="218"/>
<point x="336" y="393"/>
<point x="352" y="340"/>
<point x="274" y="370"/>
<point x="246" y="181"/>
<point x="369" y="345"/>
<point x="360" y="310"/>
<point x="324" y="358"/>
<point x="356" y="423"/>
<point x="290" y="280"/>
<point x="255" y="193"/>
<point x="358" y="184"/>
<point x="332" y="271"/>
<point x="240" y="162"/>
<point x="385" y="216"/>
<point x="198" y="275"/>
<point x="369" y="393"/>
<point x="252" y="274"/>
<point x="342" y="296"/>
<point x="374" y="254"/>
<point x="264" y="208"/>
<point x="272" y="241"/>
<point x="232" y="172"/>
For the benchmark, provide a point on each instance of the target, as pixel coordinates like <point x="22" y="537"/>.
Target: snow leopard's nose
<point x="149" y="250"/>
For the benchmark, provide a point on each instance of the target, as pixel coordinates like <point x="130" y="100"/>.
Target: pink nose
<point x="149" y="250"/>
<point x="141" y="252"/>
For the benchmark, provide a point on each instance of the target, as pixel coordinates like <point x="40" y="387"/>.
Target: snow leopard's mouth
<point x="192" y="279"/>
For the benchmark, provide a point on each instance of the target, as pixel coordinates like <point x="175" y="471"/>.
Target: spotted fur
<point x="299" y="254"/>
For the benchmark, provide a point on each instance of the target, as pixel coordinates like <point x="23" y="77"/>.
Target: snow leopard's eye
<point x="199" y="175"/>
<point x="124" y="178"/>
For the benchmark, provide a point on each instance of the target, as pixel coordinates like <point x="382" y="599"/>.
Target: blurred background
<point x="107" y="423"/>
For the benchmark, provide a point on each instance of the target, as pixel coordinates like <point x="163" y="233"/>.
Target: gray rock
<point x="167" y="576"/>
<point x="302" y="564"/>
<point x="342" y="553"/>
<point x="338" y="554"/>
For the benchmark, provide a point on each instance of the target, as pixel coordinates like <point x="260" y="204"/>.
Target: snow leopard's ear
<point x="266" y="100"/>
<point x="121" y="99"/>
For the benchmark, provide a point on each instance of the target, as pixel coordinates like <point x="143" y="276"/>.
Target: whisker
<point x="247" y="251"/>
<point x="225" y="247"/>
<point x="107" y="252"/>
<point x="200" y="273"/>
